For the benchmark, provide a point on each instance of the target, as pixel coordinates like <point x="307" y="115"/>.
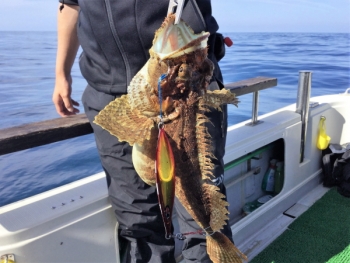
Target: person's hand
<point x="62" y="97"/>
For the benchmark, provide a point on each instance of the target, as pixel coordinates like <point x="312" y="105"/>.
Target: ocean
<point x="27" y="67"/>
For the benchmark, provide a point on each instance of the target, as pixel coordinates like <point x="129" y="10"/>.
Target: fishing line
<point x="162" y="77"/>
<point x="203" y="232"/>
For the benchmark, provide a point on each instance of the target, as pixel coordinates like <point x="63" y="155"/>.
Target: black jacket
<point x="115" y="36"/>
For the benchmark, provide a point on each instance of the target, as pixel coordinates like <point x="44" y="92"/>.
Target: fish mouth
<point x="172" y="41"/>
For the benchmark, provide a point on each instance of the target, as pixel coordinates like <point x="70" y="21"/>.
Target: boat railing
<point x="253" y="85"/>
<point x="36" y="134"/>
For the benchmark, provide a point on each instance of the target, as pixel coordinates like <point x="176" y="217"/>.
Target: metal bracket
<point x="313" y="104"/>
<point x="253" y="123"/>
<point x="175" y="7"/>
<point x="258" y="157"/>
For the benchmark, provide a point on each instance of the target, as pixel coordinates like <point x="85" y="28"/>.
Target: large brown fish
<point x="182" y="56"/>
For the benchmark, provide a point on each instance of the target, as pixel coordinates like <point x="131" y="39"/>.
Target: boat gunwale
<point x="36" y="134"/>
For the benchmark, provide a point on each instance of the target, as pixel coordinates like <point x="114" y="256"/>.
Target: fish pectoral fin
<point x="217" y="98"/>
<point x="221" y="249"/>
<point x="127" y="124"/>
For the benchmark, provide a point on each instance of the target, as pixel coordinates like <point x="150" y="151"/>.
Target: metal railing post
<point x="255" y="108"/>
<point x="302" y="106"/>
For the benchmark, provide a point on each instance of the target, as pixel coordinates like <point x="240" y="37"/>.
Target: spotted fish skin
<point x="182" y="56"/>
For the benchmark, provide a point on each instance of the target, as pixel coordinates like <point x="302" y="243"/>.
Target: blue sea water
<point x="27" y="66"/>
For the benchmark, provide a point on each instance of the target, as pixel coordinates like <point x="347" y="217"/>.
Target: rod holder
<point x="302" y="106"/>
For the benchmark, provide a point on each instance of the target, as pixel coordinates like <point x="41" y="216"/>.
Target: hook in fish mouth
<point x="172" y="41"/>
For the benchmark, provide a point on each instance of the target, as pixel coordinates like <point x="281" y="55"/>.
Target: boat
<point x="75" y="222"/>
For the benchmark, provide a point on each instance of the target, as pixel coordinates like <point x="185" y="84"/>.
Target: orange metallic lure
<point x="165" y="175"/>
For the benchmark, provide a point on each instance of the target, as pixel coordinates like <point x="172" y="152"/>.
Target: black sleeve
<point x="69" y="2"/>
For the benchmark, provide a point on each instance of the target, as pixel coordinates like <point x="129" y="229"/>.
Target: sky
<point x="232" y="15"/>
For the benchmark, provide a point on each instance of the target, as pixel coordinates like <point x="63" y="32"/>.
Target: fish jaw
<point x="175" y="40"/>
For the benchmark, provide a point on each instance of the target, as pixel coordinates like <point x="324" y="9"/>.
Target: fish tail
<point x="221" y="250"/>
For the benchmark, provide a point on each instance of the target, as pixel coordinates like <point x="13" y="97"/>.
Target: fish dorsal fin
<point x="214" y="202"/>
<point x="216" y="206"/>
<point x="204" y="143"/>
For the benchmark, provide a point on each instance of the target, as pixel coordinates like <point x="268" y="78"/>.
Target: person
<point x="115" y="37"/>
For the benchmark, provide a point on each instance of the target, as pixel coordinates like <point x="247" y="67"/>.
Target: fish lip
<point x="172" y="41"/>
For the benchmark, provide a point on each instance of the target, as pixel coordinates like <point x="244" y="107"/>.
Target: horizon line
<point x="298" y="32"/>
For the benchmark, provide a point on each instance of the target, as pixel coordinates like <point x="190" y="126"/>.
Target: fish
<point x="170" y="92"/>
